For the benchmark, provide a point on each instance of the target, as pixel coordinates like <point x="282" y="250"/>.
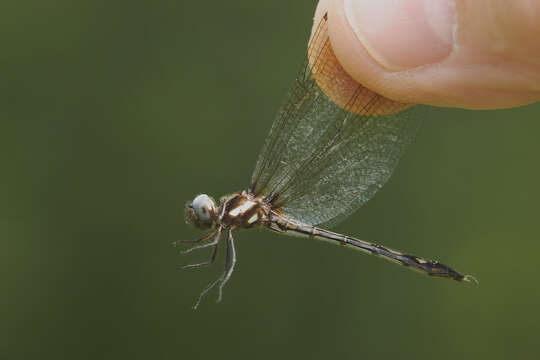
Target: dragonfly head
<point x="201" y="212"/>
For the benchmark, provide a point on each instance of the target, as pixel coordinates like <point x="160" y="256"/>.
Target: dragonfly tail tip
<point x="471" y="279"/>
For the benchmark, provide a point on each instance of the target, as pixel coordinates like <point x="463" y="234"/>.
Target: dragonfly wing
<point x="321" y="161"/>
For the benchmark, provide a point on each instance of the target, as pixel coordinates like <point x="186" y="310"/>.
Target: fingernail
<point x="403" y="34"/>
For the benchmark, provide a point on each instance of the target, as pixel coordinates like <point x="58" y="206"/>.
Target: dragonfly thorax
<point x="243" y="210"/>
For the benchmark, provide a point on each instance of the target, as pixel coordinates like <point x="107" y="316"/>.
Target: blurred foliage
<point x="116" y="113"/>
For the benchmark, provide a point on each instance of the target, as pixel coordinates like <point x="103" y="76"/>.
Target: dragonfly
<point x="323" y="158"/>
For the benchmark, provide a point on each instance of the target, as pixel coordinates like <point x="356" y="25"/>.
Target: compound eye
<point x="203" y="207"/>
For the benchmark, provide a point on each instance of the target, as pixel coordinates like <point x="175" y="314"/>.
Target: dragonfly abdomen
<point x="429" y="267"/>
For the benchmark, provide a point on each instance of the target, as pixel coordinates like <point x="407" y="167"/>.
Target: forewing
<point x="321" y="161"/>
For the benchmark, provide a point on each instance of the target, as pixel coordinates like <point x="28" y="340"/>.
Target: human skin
<point x="475" y="54"/>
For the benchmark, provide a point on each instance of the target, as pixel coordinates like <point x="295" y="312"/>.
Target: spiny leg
<point x="215" y="243"/>
<point x="204" y="246"/>
<point x="228" y="271"/>
<point x="213" y="284"/>
<point x="205" y="291"/>
<point x="205" y="237"/>
<point x="230" y="260"/>
<point x="227" y="264"/>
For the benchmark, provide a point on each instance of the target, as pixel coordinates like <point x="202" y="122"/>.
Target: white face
<point x="201" y="211"/>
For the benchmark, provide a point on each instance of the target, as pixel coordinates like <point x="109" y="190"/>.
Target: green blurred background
<point x="114" y="114"/>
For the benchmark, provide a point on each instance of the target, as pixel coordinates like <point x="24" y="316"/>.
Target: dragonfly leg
<point x="231" y="261"/>
<point x="205" y="237"/>
<point x="221" y="278"/>
<point x="215" y="244"/>
<point x="206" y="291"/>
<point x="204" y="246"/>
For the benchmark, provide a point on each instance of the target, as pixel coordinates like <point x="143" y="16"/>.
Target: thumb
<point x="481" y="54"/>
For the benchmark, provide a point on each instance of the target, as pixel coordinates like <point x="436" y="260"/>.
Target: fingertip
<point x="401" y="35"/>
<point x="480" y="72"/>
<point x="354" y="57"/>
<point x="332" y="78"/>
